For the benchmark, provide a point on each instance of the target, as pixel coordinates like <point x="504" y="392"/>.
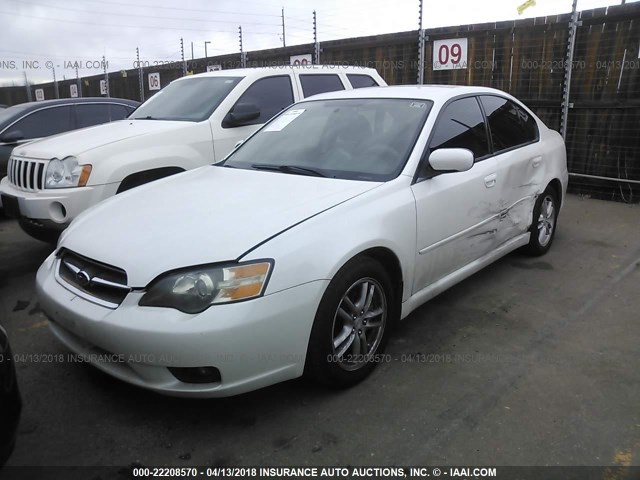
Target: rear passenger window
<point x="92" y="114"/>
<point x="118" y="112"/>
<point x="314" y="84"/>
<point x="510" y="125"/>
<point x="43" y="123"/>
<point x="270" y="95"/>
<point x="361" y="81"/>
<point x="461" y="125"/>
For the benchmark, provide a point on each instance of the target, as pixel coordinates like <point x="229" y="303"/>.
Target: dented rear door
<point x="520" y="164"/>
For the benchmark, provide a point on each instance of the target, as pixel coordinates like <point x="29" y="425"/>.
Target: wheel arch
<point x="391" y="263"/>
<point x="557" y="188"/>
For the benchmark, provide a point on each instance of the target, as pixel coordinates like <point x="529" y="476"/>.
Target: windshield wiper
<point x="295" y="169"/>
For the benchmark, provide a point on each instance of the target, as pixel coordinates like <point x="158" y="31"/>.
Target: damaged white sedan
<point x="298" y="252"/>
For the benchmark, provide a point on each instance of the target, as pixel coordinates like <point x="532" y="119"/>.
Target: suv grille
<point x="96" y="279"/>
<point x="27" y="174"/>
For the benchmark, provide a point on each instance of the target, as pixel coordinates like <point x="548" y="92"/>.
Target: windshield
<point x="191" y="100"/>
<point x="359" y="139"/>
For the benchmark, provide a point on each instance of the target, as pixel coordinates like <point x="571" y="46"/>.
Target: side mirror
<point x="451" y="160"/>
<point x="241" y="114"/>
<point x="12" y="136"/>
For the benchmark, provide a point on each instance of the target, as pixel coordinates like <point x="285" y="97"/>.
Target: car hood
<point x="77" y="142"/>
<point x="210" y="214"/>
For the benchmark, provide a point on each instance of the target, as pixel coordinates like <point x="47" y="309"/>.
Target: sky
<point x="46" y="37"/>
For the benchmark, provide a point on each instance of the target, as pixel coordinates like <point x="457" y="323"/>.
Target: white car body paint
<point x="441" y="230"/>
<point x="127" y="147"/>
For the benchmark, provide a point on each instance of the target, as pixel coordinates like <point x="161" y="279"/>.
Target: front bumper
<point x="55" y="208"/>
<point x="253" y="344"/>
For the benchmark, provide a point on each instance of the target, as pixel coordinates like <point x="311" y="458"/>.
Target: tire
<point x="335" y="356"/>
<point x="543" y="226"/>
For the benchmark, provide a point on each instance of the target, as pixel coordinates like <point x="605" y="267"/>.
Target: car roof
<point x="246" y="72"/>
<point x="437" y="93"/>
<point x="64" y="101"/>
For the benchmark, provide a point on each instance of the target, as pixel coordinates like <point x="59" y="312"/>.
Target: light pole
<point x="205" y="50"/>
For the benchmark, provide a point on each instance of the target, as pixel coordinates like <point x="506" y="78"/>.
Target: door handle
<point x="536" y="162"/>
<point x="490" y="180"/>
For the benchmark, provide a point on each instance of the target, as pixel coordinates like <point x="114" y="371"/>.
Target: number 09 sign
<point x="450" y="54"/>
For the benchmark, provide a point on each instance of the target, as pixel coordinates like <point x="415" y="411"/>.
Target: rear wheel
<point x="351" y="325"/>
<point x="543" y="227"/>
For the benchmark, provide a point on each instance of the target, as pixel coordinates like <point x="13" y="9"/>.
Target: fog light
<point x="196" y="374"/>
<point x="57" y="212"/>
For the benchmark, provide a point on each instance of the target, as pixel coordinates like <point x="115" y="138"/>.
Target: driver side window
<point x="461" y="125"/>
<point x="270" y="95"/>
<point x="46" y="122"/>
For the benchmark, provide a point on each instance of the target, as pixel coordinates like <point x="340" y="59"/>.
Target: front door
<point x="457" y="212"/>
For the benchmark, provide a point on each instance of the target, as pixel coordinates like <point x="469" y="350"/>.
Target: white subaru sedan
<point x="298" y="253"/>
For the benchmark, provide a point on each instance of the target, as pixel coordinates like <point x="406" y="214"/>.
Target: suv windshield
<point x="358" y="139"/>
<point x="191" y="100"/>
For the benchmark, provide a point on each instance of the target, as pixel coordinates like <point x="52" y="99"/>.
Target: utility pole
<point x="78" y="82"/>
<point x="106" y="75"/>
<point x="420" y="45"/>
<point x="55" y="83"/>
<point x="243" y="58"/>
<point x="284" y="42"/>
<point x="568" y="69"/>
<point x="184" y="64"/>
<point x="140" y="75"/>
<point x="27" y="86"/>
<point x="205" y="50"/>
<point x="316" y="45"/>
<point x="192" y="57"/>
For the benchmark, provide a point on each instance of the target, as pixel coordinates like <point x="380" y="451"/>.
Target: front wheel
<point x="543" y="227"/>
<point x="352" y="324"/>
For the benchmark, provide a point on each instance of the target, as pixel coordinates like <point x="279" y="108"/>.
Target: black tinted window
<point x="92" y="114"/>
<point x="118" y="112"/>
<point x="461" y="125"/>
<point x="361" y="81"/>
<point x="314" y="84"/>
<point x="510" y="125"/>
<point x="45" y="122"/>
<point x="270" y="95"/>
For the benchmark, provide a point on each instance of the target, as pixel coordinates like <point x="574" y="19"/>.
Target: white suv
<point x="194" y="121"/>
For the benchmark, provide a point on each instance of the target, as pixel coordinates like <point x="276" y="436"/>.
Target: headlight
<point x="66" y="173"/>
<point x="196" y="289"/>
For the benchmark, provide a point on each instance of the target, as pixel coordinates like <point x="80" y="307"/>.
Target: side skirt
<point x="445" y="283"/>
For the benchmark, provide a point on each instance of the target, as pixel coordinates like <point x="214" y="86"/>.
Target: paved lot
<point x="535" y="362"/>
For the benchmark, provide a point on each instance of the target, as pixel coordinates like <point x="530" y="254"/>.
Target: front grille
<point x="96" y="279"/>
<point x="27" y="174"/>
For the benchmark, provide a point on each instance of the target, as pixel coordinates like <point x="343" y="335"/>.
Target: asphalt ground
<point x="533" y="361"/>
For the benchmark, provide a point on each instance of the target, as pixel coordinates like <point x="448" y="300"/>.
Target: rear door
<point x="90" y="114"/>
<point x="456" y="212"/>
<point x="316" y="83"/>
<point x="519" y="160"/>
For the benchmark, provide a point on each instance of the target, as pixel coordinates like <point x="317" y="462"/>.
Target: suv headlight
<point x="195" y="289"/>
<point x="66" y="173"/>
